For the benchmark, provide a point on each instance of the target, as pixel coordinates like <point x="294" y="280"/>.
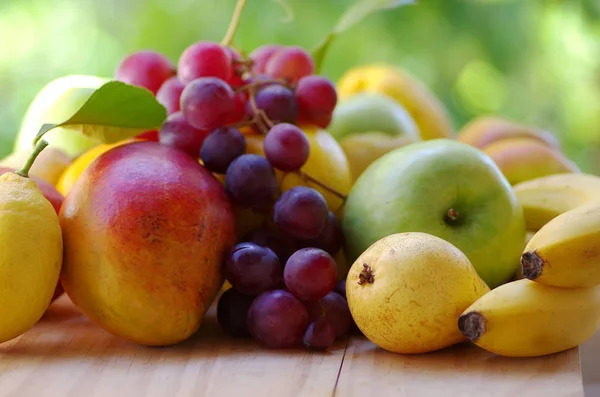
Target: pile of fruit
<point x="302" y="209"/>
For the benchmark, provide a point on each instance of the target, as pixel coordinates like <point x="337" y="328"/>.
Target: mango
<point x="524" y="158"/>
<point x="428" y="112"/>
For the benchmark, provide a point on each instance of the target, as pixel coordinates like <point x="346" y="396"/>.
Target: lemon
<point x="31" y="250"/>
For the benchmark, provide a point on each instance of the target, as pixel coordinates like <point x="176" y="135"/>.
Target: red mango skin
<point x="145" y="231"/>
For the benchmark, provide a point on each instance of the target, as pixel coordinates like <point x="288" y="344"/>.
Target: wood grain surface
<point x="66" y="355"/>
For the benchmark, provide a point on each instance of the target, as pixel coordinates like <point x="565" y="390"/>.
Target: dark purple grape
<point x="252" y="269"/>
<point x="330" y="239"/>
<point x="204" y="59"/>
<point x="250" y="182"/>
<point x="277" y="319"/>
<point x="319" y="335"/>
<point x="178" y="133"/>
<point x="277" y="102"/>
<point x="286" y="147"/>
<point x="335" y="309"/>
<point x="310" y="274"/>
<point x="340" y="288"/>
<point x="148" y="69"/>
<point x="169" y="94"/>
<point x="264" y="237"/>
<point x="317" y="97"/>
<point x="208" y="103"/>
<point x="221" y="147"/>
<point x="232" y="312"/>
<point x="301" y="212"/>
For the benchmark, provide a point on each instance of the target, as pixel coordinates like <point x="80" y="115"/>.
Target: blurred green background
<point x="532" y="61"/>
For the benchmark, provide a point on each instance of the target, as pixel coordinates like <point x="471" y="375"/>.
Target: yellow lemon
<point x="424" y="107"/>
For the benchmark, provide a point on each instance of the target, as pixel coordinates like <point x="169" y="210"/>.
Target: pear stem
<point x="24" y="172"/>
<point x="235" y="21"/>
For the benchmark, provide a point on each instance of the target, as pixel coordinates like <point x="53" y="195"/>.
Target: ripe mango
<point x="424" y="107"/>
<point x="524" y="158"/>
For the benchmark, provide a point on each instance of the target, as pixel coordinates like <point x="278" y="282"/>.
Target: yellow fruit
<point x="407" y="290"/>
<point x="72" y="173"/>
<point x="49" y="165"/>
<point x="363" y="149"/>
<point x="31" y="250"/>
<point x="326" y="163"/>
<point x="523" y="159"/>
<point x="527" y="319"/>
<point x="545" y="198"/>
<point x="564" y="252"/>
<point x="425" y="108"/>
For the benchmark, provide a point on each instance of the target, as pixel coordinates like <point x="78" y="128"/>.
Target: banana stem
<point x="24" y="172"/>
<point x="235" y="21"/>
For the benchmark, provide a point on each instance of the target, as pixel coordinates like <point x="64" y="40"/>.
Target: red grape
<point x="239" y="112"/>
<point x="317" y="97"/>
<point x="286" y="147"/>
<point x="335" y="309"/>
<point x="291" y="63"/>
<point x="221" y="147"/>
<point x="250" y="182"/>
<point x="235" y="79"/>
<point x="232" y="312"/>
<point x="252" y="269"/>
<point x="277" y="102"/>
<point x="319" y="335"/>
<point x="177" y="132"/>
<point x="330" y="239"/>
<point x="169" y="94"/>
<point x="204" y="59"/>
<point x="262" y="55"/>
<point x="277" y="319"/>
<point x="340" y="288"/>
<point x="301" y="213"/>
<point x="310" y="273"/>
<point x="147" y="69"/>
<point x="208" y="103"/>
<point x="264" y="237"/>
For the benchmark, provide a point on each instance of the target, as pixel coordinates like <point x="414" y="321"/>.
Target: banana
<point x="547" y="197"/>
<point x="565" y="252"/>
<point x="527" y="319"/>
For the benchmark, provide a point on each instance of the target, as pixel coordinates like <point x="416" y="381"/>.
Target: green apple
<point x="368" y="125"/>
<point x="445" y="188"/>
<point x="55" y="103"/>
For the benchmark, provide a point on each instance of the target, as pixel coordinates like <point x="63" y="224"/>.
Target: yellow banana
<point x="547" y="197"/>
<point x="527" y="319"/>
<point x="565" y="252"/>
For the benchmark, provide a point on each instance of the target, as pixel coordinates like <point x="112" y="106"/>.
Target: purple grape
<point x="301" y="212"/>
<point x="310" y="274"/>
<point x="264" y="237"/>
<point x="320" y="335"/>
<point x="221" y="147"/>
<point x="178" y="133"/>
<point x="277" y="319"/>
<point x="330" y="239"/>
<point x="286" y="147"/>
<point x="340" y="288"/>
<point x="335" y="309"/>
<point x="232" y="312"/>
<point x="207" y="103"/>
<point x="169" y="94"/>
<point x="277" y="102"/>
<point x="250" y="182"/>
<point x="252" y="269"/>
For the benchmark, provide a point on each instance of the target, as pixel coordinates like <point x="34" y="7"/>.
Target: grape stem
<point x="235" y="21"/>
<point x="257" y="84"/>
<point x="311" y="179"/>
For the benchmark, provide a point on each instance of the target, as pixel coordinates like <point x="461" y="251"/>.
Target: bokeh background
<point x="534" y="61"/>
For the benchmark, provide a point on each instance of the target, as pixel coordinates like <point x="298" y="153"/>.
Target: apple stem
<point x="235" y="21"/>
<point x="453" y="214"/>
<point x="24" y="172"/>
<point x="366" y="276"/>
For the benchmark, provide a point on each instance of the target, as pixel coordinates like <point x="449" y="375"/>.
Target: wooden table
<point x="66" y="355"/>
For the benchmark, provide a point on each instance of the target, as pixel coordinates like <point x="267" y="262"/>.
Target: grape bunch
<point x="283" y="274"/>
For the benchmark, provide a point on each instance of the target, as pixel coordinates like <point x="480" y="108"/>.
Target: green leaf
<point x="114" y="112"/>
<point x="352" y="16"/>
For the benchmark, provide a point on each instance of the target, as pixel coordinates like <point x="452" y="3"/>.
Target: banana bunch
<point x="557" y="305"/>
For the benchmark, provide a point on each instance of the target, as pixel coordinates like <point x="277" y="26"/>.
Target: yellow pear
<point x="407" y="291"/>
